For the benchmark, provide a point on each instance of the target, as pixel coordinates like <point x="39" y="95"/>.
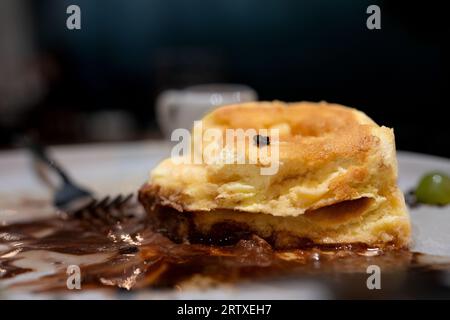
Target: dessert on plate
<point x="334" y="183"/>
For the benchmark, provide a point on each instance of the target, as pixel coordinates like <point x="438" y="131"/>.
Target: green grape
<point x="434" y="188"/>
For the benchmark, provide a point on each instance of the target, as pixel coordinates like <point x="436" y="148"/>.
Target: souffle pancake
<point x="334" y="183"/>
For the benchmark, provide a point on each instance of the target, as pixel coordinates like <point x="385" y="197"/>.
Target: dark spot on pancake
<point x="260" y="140"/>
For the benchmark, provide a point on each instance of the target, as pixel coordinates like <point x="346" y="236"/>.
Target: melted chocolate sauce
<point x="130" y="255"/>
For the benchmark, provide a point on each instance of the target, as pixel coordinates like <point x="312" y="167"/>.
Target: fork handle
<point x="39" y="152"/>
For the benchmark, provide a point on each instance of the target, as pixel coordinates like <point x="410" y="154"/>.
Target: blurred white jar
<point x="180" y="108"/>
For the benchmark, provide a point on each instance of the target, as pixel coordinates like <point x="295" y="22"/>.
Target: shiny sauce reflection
<point x="131" y="255"/>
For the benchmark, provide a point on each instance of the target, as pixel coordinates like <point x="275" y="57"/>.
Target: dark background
<point x="68" y="86"/>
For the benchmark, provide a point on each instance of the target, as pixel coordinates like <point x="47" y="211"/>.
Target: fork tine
<point x="106" y="212"/>
<point x="107" y="209"/>
<point x="119" y="202"/>
<point x="87" y="207"/>
<point x="91" y="211"/>
<point x="91" y="204"/>
<point x="125" y="200"/>
<point x="103" y="203"/>
<point x="100" y="210"/>
<point x="116" y="201"/>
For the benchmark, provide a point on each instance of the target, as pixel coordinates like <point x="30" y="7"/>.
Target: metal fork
<point x="73" y="199"/>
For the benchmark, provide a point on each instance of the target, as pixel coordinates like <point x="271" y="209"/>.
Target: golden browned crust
<point x="328" y="155"/>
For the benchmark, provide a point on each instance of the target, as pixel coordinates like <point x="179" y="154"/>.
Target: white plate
<point x="120" y="168"/>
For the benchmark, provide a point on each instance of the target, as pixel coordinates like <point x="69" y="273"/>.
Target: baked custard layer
<point x="361" y="222"/>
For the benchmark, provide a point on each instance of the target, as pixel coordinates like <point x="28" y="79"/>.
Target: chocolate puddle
<point x="130" y="255"/>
